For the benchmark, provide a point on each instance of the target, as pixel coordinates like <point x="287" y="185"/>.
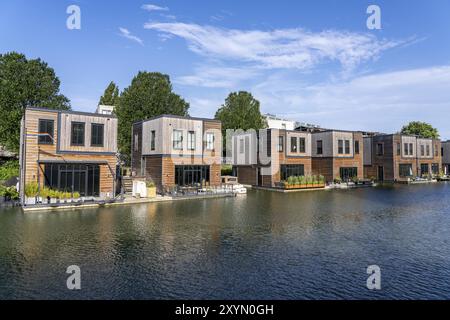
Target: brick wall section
<point x="247" y="175"/>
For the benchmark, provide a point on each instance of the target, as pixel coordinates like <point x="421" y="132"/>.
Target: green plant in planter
<point x="309" y="180"/>
<point x="321" y="179"/>
<point x="301" y="180"/>
<point x="31" y="189"/>
<point x="315" y="180"/>
<point x="76" y="195"/>
<point x="150" y="184"/>
<point x="290" y="181"/>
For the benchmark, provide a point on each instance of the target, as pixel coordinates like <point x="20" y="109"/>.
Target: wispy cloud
<point x="378" y="102"/>
<point x="217" y="77"/>
<point x="280" y="48"/>
<point x="127" y="34"/>
<point x="153" y="7"/>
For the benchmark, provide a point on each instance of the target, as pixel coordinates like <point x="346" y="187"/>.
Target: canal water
<point x="266" y="245"/>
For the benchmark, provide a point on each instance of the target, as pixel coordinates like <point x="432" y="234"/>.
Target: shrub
<point x="226" y="170"/>
<point x="9" y="169"/>
<point x="291" y="181"/>
<point x="31" y="189"/>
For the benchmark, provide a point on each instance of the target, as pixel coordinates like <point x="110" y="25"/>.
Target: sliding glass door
<point x="191" y="175"/>
<point x="81" y="178"/>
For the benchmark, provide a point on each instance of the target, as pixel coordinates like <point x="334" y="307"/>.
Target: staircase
<point x="127" y="185"/>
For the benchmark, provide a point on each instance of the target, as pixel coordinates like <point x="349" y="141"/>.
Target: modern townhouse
<point x="399" y="158"/>
<point x="177" y="151"/>
<point x="337" y="154"/>
<point x="445" y="153"/>
<point x="270" y="156"/>
<point x="73" y="152"/>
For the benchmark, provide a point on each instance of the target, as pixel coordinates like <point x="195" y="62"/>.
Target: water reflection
<point x="263" y="245"/>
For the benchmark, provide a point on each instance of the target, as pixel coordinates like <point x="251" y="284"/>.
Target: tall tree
<point x="150" y="94"/>
<point x="240" y="111"/>
<point x="422" y="129"/>
<point x="111" y="95"/>
<point x="25" y="83"/>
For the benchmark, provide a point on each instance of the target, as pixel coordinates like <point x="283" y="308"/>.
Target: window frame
<point x="302" y="145"/>
<point x="210" y="141"/>
<point x="340" y="146"/>
<point x="100" y="125"/>
<point x="45" y="139"/>
<point x="294" y="145"/>
<point x="177" y="139"/>
<point x="356" y="146"/>
<point x="77" y="144"/>
<point x="347" y="146"/>
<point x="153" y="140"/>
<point x="319" y="147"/>
<point x="280" y="145"/>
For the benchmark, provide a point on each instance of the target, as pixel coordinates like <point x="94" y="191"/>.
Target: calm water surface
<point x="310" y="245"/>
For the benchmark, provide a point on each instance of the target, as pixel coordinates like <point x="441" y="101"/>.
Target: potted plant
<point x="290" y="182"/>
<point x="31" y="191"/>
<point x="151" y="189"/>
<point x="322" y="181"/>
<point x="76" y="196"/>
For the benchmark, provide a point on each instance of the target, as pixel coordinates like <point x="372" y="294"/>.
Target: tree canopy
<point x="111" y="95"/>
<point x="240" y="111"/>
<point x="150" y="94"/>
<point x="422" y="129"/>
<point x="25" y="83"/>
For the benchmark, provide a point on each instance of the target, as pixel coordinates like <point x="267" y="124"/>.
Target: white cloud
<point x="217" y="77"/>
<point x="127" y="34"/>
<point x="153" y="7"/>
<point x="378" y="102"/>
<point x="280" y="48"/>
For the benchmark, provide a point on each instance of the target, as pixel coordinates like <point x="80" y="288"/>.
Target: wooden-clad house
<point x="177" y="151"/>
<point x="69" y="151"/>
<point x="445" y="153"/>
<point x="398" y="157"/>
<point x="269" y="156"/>
<point x="337" y="154"/>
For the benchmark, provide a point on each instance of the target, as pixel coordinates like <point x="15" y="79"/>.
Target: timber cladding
<point x="35" y="152"/>
<point x="247" y="175"/>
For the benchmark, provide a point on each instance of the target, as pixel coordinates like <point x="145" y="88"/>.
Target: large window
<point x="347" y="146"/>
<point x="191" y="140"/>
<point x="210" y="141"/>
<point x="302" y="145"/>
<point x="319" y="147"/>
<point x="411" y="149"/>
<point x="291" y="170"/>
<point x="293" y="144"/>
<point x="46" y="131"/>
<point x="241" y="146"/>
<point x="280" y="146"/>
<point x="435" y="168"/>
<point x="153" y="140"/>
<point x="424" y="169"/>
<point x="97" y="134"/>
<point x="422" y="150"/>
<point x="405" y="170"/>
<point x="177" y="139"/>
<point x="81" y="178"/>
<point x="405" y="149"/>
<point x="340" y="146"/>
<point x="191" y="175"/>
<point x="428" y="150"/>
<point x="348" y="173"/>
<point x="77" y="136"/>
<point x="380" y="149"/>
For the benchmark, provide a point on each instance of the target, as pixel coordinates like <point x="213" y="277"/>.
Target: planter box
<point x="151" y="192"/>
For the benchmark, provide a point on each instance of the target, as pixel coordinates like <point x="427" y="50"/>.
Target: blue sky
<point x="312" y="61"/>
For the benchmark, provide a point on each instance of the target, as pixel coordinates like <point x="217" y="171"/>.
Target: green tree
<point x="422" y="129"/>
<point x="111" y="95"/>
<point x="25" y="83"/>
<point x="240" y="111"/>
<point x="150" y="94"/>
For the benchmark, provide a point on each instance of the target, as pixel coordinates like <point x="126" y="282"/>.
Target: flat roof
<point x="92" y="114"/>
<point x="175" y="117"/>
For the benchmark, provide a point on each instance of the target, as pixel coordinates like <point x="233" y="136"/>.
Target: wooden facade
<point x="398" y="157"/>
<point x="35" y="154"/>
<point x="260" y="157"/>
<point x="334" y="151"/>
<point x="165" y="143"/>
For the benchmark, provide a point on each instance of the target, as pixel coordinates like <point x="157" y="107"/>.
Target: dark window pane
<point x="46" y="131"/>
<point x="77" y="136"/>
<point x="97" y="134"/>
